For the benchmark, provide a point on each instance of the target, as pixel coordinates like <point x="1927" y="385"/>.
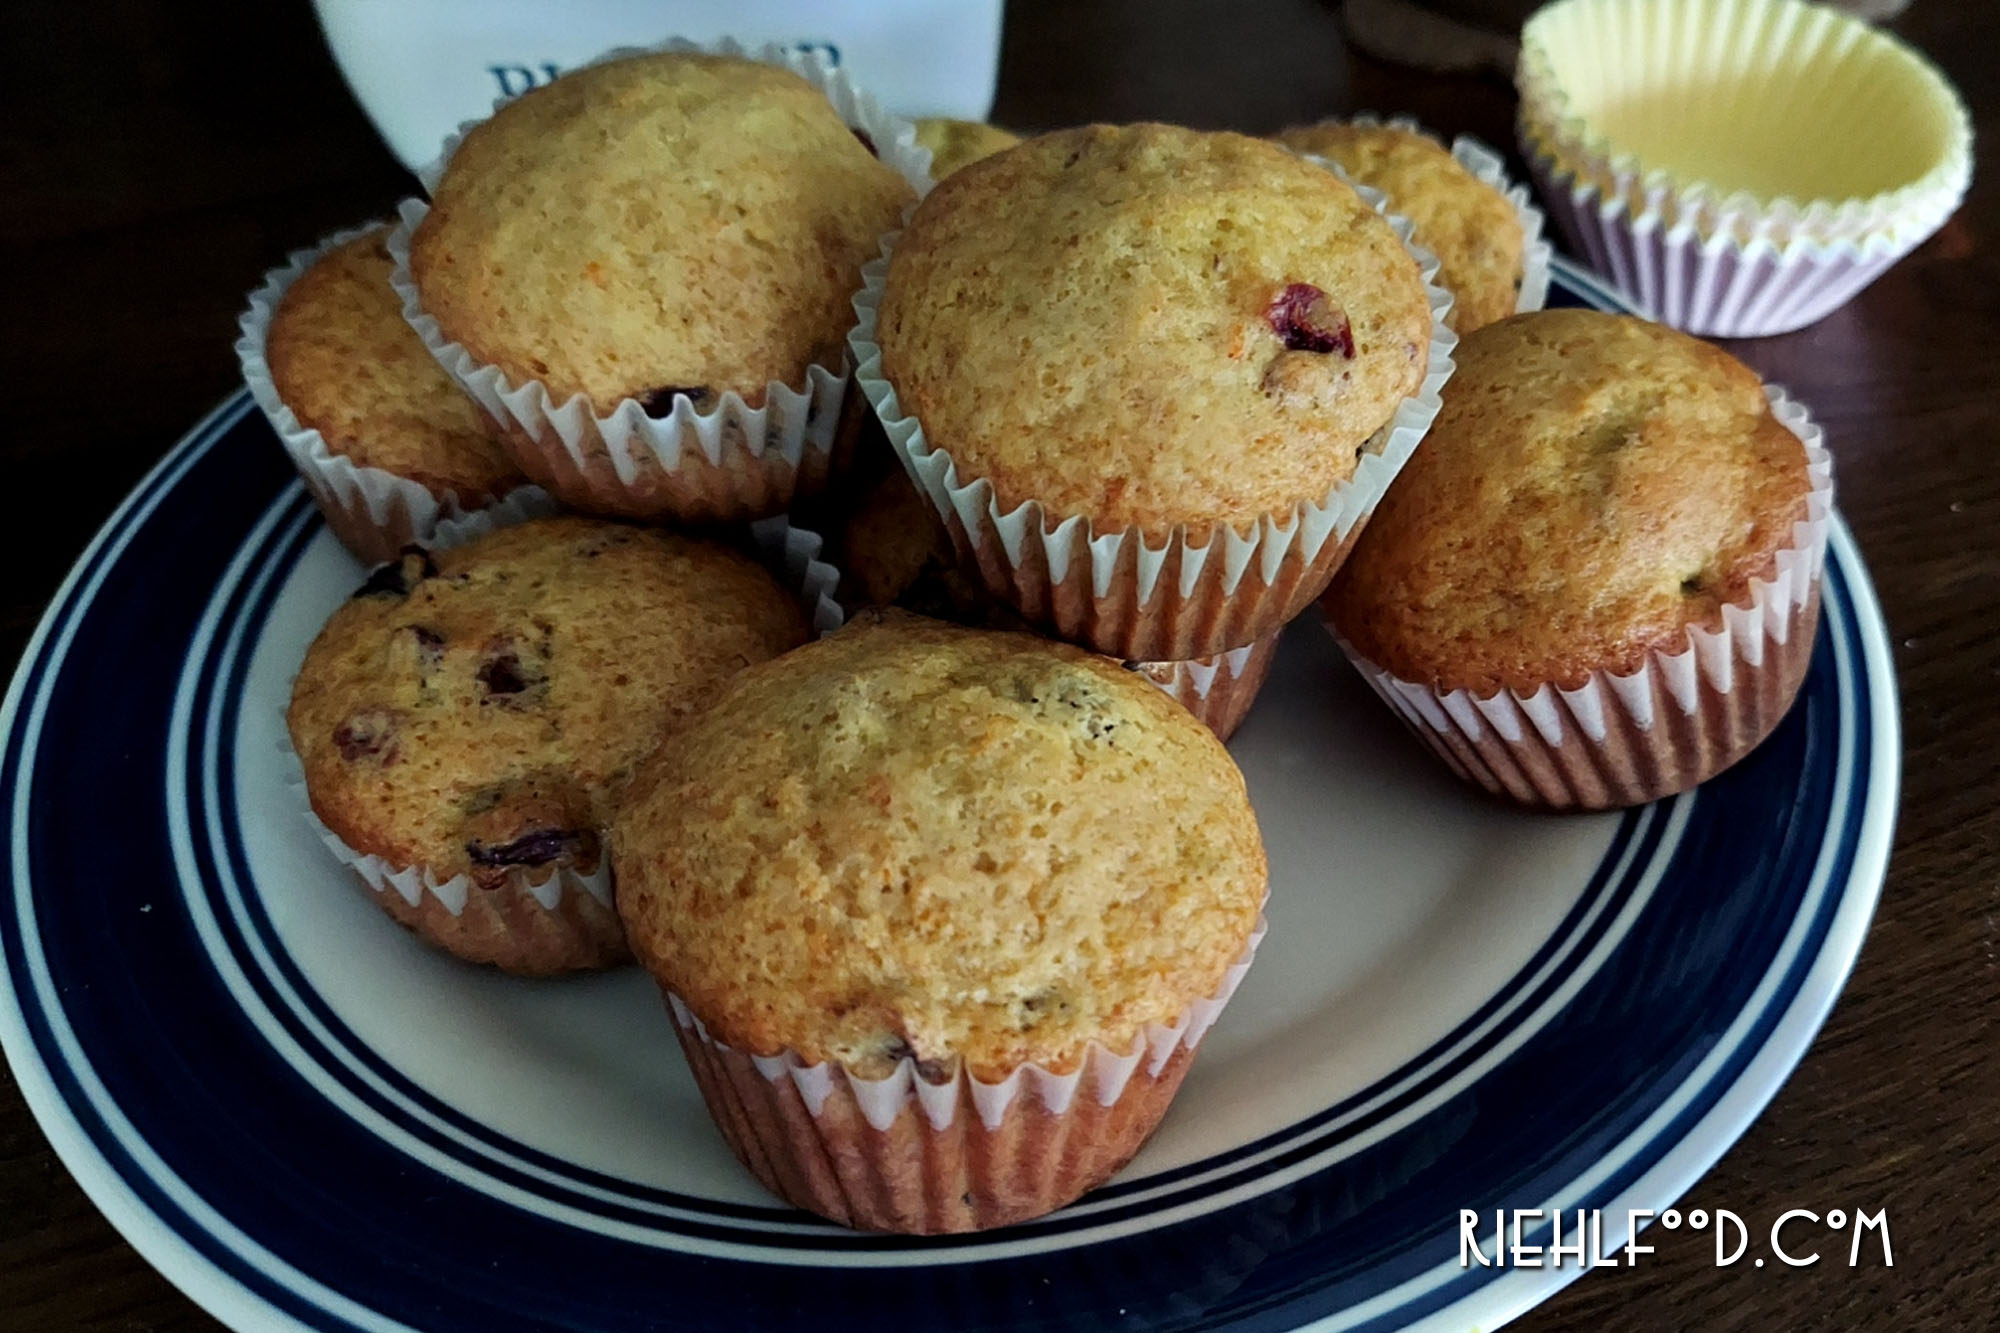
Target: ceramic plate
<point x="307" y="1120"/>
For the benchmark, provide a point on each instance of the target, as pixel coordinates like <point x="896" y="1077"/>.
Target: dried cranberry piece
<point x="368" y="735"/>
<point x="530" y="849"/>
<point x="400" y="575"/>
<point x="660" y="402"/>
<point x="1310" y="321"/>
<point x="501" y="674"/>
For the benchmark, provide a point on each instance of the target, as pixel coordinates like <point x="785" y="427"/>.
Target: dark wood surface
<point x="158" y="157"/>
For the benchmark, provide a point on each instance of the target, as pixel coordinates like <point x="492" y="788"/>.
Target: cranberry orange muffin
<point x="678" y="231"/>
<point x="1609" y="533"/>
<point x="471" y="713"/>
<point x="1470" y="226"/>
<point x="960" y="143"/>
<point x="908" y="861"/>
<point x="1179" y="340"/>
<point x="343" y="377"/>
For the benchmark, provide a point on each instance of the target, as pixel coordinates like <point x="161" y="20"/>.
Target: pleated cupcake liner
<point x="1860" y="74"/>
<point x="1718" y="286"/>
<point x="902" y="1153"/>
<point x="374" y="512"/>
<point x="729" y="462"/>
<point x="1490" y="170"/>
<point x="1198" y="592"/>
<point x="536" y="922"/>
<point x="1682" y="717"/>
<point x="1715" y="262"/>
<point x="1218" y="690"/>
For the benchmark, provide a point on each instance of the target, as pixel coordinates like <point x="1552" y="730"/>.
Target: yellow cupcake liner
<point x="728" y="462"/>
<point x="1197" y="593"/>
<point x="1772" y="120"/>
<point x="905" y="1153"/>
<point x="374" y="512"/>
<point x="1682" y="717"/>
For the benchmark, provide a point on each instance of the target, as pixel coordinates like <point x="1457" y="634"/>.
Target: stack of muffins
<point x="943" y="902"/>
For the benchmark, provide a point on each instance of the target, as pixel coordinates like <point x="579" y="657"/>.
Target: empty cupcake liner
<point x="1764" y="61"/>
<point x="373" y="512"/>
<point x="1218" y="690"/>
<point x="1196" y="593"/>
<point x="1677" y="721"/>
<point x="1725" y="262"/>
<point x="729" y="462"/>
<point x="903" y="1153"/>
<point x="1490" y="169"/>
<point x="1717" y="286"/>
<point x="564" y="920"/>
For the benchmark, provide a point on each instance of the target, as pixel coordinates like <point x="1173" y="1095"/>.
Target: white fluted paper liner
<point x="375" y="513"/>
<point x="1218" y="690"/>
<point x="1158" y="618"/>
<point x="1490" y="170"/>
<point x="1839" y="85"/>
<point x="1102" y="1074"/>
<point x="794" y="550"/>
<point x="1717" y="285"/>
<point x="1737" y="679"/>
<point x="572" y="445"/>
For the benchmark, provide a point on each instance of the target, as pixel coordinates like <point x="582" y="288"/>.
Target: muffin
<point x="895" y="552"/>
<point x="1469" y="225"/>
<point x="960" y="143"/>
<point x="385" y="442"/>
<point x="883" y="878"/>
<point x="1597" y="582"/>
<point x="645" y="269"/>
<point x="1153" y="377"/>
<point x="465" y="720"/>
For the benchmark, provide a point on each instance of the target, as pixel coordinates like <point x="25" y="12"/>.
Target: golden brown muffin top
<point x="659" y="223"/>
<point x="475" y="709"/>
<point x="343" y="359"/>
<point x="911" y="839"/>
<point x="960" y="143"/>
<point x="1594" y="485"/>
<point x="1466" y="223"/>
<point x="1152" y="326"/>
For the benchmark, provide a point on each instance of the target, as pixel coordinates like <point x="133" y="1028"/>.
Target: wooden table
<point x="159" y="156"/>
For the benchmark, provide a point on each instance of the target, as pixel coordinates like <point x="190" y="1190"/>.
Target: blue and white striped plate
<point x="307" y="1120"/>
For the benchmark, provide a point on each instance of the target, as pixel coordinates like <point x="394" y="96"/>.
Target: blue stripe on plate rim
<point x="1690" y="1110"/>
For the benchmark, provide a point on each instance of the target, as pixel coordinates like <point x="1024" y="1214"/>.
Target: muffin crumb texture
<point x="1466" y="223"/>
<point x="960" y="143"/>
<point x="1594" y="486"/>
<point x="662" y="224"/>
<point x="1152" y="326"/>
<point x="966" y="848"/>
<point x="472" y="711"/>
<point x="344" y="361"/>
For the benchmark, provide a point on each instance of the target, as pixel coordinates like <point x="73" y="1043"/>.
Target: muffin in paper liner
<point x="564" y="921"/>
<point x="1197" y="593"/>
<point x="1490" y="169"/>
<point x="730" y="462"/>
<point x="1786" y="78"/>
<point x="373" y="512"/>
<point x="1220" y="689"/>
<point x="905" y="1154"/>
<point x="1677" y="721"/>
